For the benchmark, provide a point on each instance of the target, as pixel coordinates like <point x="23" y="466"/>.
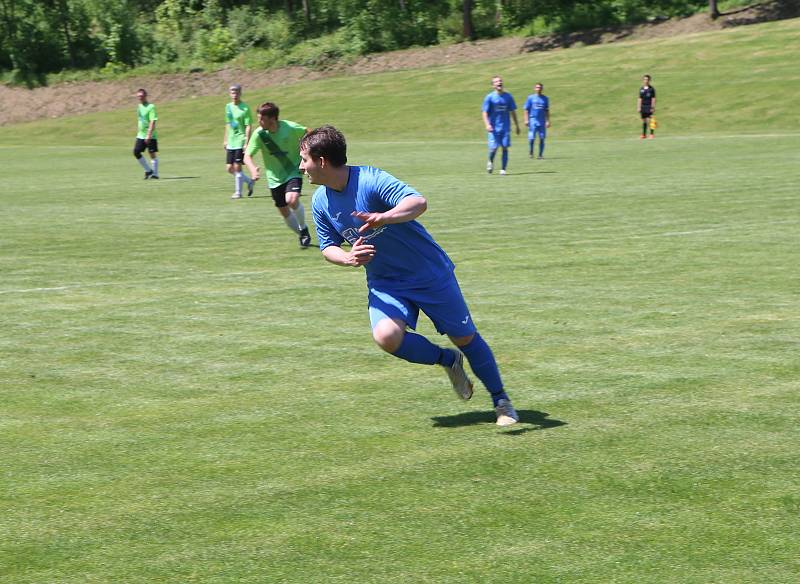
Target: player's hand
<point x="361" y="253"/>
<point x="371" y="220"/>
<point x="547" y="124"/>
<point x="489" y="128"/>
<point x="256" y="174"/>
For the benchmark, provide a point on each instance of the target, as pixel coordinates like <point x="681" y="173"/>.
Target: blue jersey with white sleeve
<point x="406" y="256"/>
<point x="537" y="106"/>
<point x="499" y="107"/>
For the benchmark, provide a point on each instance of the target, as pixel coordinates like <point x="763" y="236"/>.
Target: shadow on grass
<point x="528" y="420"/>
<point x="177" y="177"/>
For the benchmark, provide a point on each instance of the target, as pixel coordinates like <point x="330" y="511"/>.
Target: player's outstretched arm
<point x="406" y="210"/>
<point x="361" y="253"/>
<point x="255" y="172"/>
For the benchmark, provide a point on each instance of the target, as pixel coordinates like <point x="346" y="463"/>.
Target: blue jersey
<point x="537" y="106"/>
<point x="499" y="106"/>
<point x="406" y="256"/>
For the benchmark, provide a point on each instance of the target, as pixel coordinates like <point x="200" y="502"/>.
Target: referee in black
<point x="646" y="105"/>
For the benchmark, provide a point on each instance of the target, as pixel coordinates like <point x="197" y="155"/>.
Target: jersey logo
<point x="466" y="320"/>
<point x="229" y="114"/>
<point x="336" y="217"/>
<point x="351" y="234"/>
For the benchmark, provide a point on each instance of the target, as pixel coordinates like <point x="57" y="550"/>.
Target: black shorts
<point x="139" y="146"/>
<point x="293" y="185"/>
<point x="646" y="113"/>
<point x="235" y="156"/>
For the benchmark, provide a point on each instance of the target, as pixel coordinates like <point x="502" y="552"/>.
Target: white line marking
<point x="130" y="283"/>
<point x="661" y="137"/>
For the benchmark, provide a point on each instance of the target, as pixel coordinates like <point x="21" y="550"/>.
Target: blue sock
<point x="491" y="154"/>
<point x="505" y="157"/>
<point x="541" y="146"/>
<point x="483" y="364"/>
<point x="417" y="349"/>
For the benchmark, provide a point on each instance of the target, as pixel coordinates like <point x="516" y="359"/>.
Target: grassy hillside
<point x="738" y="80"/>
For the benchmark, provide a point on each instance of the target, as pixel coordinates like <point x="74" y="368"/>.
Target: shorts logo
<point x="466" y="320"/>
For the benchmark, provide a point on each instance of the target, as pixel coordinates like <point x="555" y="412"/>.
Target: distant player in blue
<point x="537" y="118"/>
<point x="374" y="213"/>
<point x="498" y="108"/>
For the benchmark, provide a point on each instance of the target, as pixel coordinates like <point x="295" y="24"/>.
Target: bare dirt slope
<point x="80" y="98"/>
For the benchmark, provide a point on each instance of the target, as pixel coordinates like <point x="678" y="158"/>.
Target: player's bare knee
<point x="388" y="335"/>
<point x="461" y="341"/>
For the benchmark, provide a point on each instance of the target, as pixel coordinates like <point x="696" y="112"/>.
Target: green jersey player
<point x="146" y="136"/>
<point x="279" y="144"/>
<point x="238" y="123"/>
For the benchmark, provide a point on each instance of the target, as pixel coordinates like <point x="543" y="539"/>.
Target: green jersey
<point x="147" y="114"/>
<point x="237" y="117"/>
<point x="281" y="151"/>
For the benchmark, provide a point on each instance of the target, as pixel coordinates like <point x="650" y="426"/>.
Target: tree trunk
<point x="307" y="10"/>
<point x="713" y="9"/>
<point x="64" y="10"/>
<point x="468" y="28"/>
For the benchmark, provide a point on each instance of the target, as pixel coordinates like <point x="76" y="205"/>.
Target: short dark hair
<point x="269" y="110"/>
<point x="648" y="77"/>
<point x="327" y="142"/>
<point x="141" y="90"/>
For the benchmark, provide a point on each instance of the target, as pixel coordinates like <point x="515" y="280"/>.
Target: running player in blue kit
<point x="498" y="108"/>
<point x="406" y="269"/>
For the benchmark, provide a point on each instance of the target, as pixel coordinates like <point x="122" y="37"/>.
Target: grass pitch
<point x="189" y="397"/>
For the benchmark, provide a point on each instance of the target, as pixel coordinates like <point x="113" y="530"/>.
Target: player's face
<point x="142" y="96"/>
<point x="646" y="80"/>
<point x="538" y="89"/>
<point x="309" y="167"/>
<point x="497" y="83"/>
<point x="235" y="94"/>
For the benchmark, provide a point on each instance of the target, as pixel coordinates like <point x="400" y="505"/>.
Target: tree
<point x="468" y="27"/>
<point x="713" y="8"/>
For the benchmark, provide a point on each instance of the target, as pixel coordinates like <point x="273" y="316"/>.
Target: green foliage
<point x="44" y="37"/>
<point x="217" y="45"/>
<point x="247" y="26"/>
<point x="317" y="53"/>
<point x="278" y="31"/>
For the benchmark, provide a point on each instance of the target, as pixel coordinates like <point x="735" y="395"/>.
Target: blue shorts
<point x="498" y="139"/>
<point x="537" y="129"/>
<point x="443" y="304"/>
